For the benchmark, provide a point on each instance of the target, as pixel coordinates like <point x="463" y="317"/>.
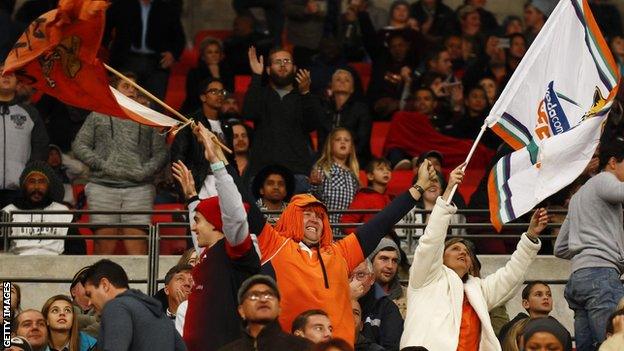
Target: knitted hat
<point x="545" y="6"/>
<point x="551" y="326"/>
<point x="257" y="279"/>
<point x="385" y="245"/>
<point x="265" y="172"/>
<point x="290" y="223"/>
<point x="56" y="191"/>
<point x="21" y="342"/>
<point x="210" y="209"/>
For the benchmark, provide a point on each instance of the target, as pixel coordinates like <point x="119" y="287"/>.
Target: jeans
<point x="593" y="294"/>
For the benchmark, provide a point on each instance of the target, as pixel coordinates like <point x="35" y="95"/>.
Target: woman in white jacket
<point x="447" y="308"/>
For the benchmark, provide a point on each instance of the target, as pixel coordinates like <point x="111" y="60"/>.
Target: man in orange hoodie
<point x="311" y="269"/>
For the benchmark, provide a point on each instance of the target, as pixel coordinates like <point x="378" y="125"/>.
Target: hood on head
<point x="290" y="223"/>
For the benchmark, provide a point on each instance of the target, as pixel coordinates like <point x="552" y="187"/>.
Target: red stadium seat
<point x="401" y="181"/>
<point x="378" y="137"/>
<point x="170" y="247"/>
<point x="364" y="70"/>
<point x="213" y="33"/>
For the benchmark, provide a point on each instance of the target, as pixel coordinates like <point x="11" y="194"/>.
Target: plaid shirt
<point x="270" y="218"/>
<point x="337" y="190"/>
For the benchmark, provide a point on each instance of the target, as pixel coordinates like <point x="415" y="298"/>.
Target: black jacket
<point x="185" y="148"/>
<point x="354" y="116"/>
<point x="282" y="127"/>
<point x="271" y="338"/>
<point x="505" y="329"/>
<point x="381" y="319"/>
<point x="164" y="29"/>
<point x="197" y="75"/>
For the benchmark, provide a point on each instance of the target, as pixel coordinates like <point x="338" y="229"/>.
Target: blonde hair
<point x="74" y="335"/>
<point x="510" y="343"/>
<point x="326" y="160"/>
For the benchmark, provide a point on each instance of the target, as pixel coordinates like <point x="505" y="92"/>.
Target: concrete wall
<point x="64" y="267"/>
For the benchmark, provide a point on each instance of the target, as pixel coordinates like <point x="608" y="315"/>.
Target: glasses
<point x="222" y="92"/>
<point x="282" y="62"/>
<point x="264" y="295"/>
<point x="361" y="275"/>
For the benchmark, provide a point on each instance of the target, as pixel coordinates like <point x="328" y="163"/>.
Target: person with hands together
<point x="447" y="306"/>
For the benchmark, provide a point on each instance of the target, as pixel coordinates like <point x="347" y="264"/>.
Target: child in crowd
<point x="378" y="174"/>
<point x="334" y="178"/>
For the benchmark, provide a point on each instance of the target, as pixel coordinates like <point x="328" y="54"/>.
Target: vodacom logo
<point x="551" y="118"/>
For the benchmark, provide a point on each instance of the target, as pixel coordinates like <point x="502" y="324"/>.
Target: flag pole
<point x="160" y="102"/>
<point x="472" y="150"/>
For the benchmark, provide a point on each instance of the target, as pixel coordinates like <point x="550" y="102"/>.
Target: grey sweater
<point x="592" y="234"/>
<point x="135" y="321"/>
<point x="120" y="153"/>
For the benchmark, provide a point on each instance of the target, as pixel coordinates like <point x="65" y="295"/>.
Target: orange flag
<point x="57" y="54"/>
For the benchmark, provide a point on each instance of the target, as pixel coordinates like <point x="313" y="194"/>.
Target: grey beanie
<point x="545" y="6"/>
<point x="385" y="245"/>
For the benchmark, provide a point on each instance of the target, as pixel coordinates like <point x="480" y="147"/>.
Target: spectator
<point x="616" y="44"/>
<point x="24" y="138"/>
<point x="63" y="326"/>
<point x="469" y="126"/>
<point x="189" y="257"/>
<point x="439" y="61"/>
<point x="283" y="116"/>
<point x="241" y="139"/>
<point x="435" y="18"/>
<point x="615" y="332"/>
<point x="209" y="318"/>
<point x="19" y="343"/>
<point x="86" y="316"/>
<point x="470" y="24"/>
<point x="350" y="35"/>
<point x="147" y="38"/>
<point x="244" y="36"/>
<point x="513" y="337"/>
<point x="335" y="178"/>
<point x="362" y="343"/>
<point x="211" y="64"/>
<point x="259" y="306"/>
<point x="130" y="320"/>
<point x="313" y="325"/>
<point x="187" y="149"/>
<point x="304" y="28"/>
<point x="512" y="25"/>
<point x="594" y="219"/>
<point x="343" y="110"/>
<point x="273" y="187"/>
<point x="230" y="109"/>
<point x="332" y="57"/>
<point x="442" y="283"/>
<point x="303" y="229"/>
<point x="273" y="12"/>
<point x="487" y="18"/>
<point x="42" y="191"/>
<point x="374" y="196"/>
<point x="536" y="300"/>
<point x="383" y="323"/>
<point x="386" y="260"/>
<point x="536" y="13"/>
<point x="546" y="333"/>
<point x="178" y="285"/>
<point x="491" y="89"/>
<point x="454" y="46"/>
<point x="31" y="324"/>
<point x="123" y="157"/>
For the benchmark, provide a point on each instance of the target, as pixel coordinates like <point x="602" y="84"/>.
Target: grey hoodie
<point x="135" y="321"/>
<point x="120" y="153"/>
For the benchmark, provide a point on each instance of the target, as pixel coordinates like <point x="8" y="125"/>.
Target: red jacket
<point x="365" y="199"/>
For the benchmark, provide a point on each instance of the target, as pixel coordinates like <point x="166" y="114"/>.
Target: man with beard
<point x="283" y="116"/>
<point x="42" y="191"/>
<point x="241" y="139"/>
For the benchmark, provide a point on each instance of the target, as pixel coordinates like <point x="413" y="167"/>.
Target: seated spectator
<point x="209" y="319"/>
<point x="243" y="37"/>
<point x="442" y="283"/>
<point x="536" y="300"/>
<point x="88" y="320"/>
<point x="436" y="19"/>
<point x="210" y="65"/>
<point x="362" y="343"/>
<point x="386" y="260"/>
<point x="273" y="186"/>
<point x="178" y="284"/>
<point x="42" y="191"/>
<point x="491" y="89"/>
<point x="513" y="338"/>
<point x="544" y="333"/>
<point x="63" y="326"/>
<point x="383" y="323"/>
<point x="470" y="25"/>
<point x="259" y="308"/>
<point x="331" y="57"/>
<point x="124" y="157"/>
<point x="31" y="324"/>
<point x="343" y="110"/>
<point x="488" y="21"/>
<point x="304" y="28"/>
<point x="512" y="25"/>
<point x="241" y="141"/>
<point x="468" y="127"/>
<point x="335" y="177"/>
<point x="27" y="137"/>
<point x="19" y="343"/>
<point x="616" y="44"/>
<point x="130" y="320"/>
<point x="372" y="197"/>
<point x="454" y="46"/>
<point x="536" y="13"/>
<point x="313" y="325"/>
<point x="189" y="257"/>
<point x="230" y="111"/>
<point x="615" y="332"/>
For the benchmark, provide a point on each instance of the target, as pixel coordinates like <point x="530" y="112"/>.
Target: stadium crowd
<point x="270" y="272"/>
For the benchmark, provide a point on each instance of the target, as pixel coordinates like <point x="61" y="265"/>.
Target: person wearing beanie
<point x="311" y="269"/>
<point x="447" y="300"/>
<point x="208" y="319"/>
<point x="536" y="13"/>
<point x="23" y="138"/>
<point x="386" y="259"/>
<point x="542" y="333"/>
<point x="41" y="190"/>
